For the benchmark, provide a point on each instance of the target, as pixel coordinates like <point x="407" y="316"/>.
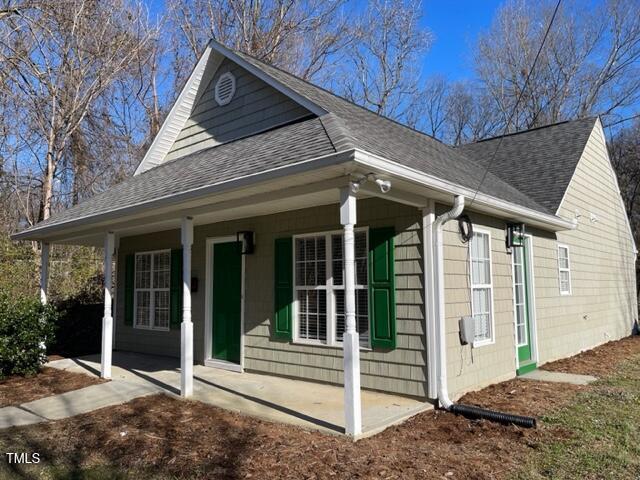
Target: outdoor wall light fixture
<point x="384" y="185"/>
<point x="245" y="238"/>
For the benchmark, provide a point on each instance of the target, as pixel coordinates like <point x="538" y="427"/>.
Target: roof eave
<point x="482" y="202"/>
<point x="41" y="233"/>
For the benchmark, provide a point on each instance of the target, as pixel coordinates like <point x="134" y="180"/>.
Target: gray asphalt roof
<point x="398" y="143"/>
<point x="538" y="162"/>
<point x="276" y="148"/>
<point x="531" y="170"/>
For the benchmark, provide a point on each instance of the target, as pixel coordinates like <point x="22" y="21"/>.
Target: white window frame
<point x="151" y="290"/>
<point x="330" y="289"/>
<point x="489" y="286"/>
<point x="563" y="269"/>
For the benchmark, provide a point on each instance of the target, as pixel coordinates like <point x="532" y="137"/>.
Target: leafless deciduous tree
<point x="59" y="57"/>
<point x="304" y="37"/>
<point x="590" y="63"/>
<point x="384" y="74"/>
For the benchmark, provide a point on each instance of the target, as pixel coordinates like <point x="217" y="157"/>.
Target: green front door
<point x="227" y="302"/>
<point x="521" y="287"/>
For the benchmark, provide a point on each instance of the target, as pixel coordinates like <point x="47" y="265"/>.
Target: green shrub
<point x="24" y="324"/>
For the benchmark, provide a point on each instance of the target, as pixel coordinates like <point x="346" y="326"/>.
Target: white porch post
<point x="107" y="319"/>
<point x="351" y="342"/>
<point x="44" y="271"/>
<point x="186" y="329"/>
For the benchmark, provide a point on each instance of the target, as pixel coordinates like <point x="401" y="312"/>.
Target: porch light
<point x="515" y="235"/>
<point x="245" y="238"/>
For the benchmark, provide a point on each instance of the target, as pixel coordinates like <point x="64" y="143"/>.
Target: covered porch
<point x="309" y="405"/>
<point x="335" y="195"/>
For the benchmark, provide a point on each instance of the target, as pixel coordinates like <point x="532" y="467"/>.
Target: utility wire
<point x="515" y="107"/>
<point x="622" y="121"/>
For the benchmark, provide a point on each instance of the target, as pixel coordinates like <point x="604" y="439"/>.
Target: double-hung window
<point x="319" y="288"/>
<point x="152" y="283"/>
<point x="481" y="286"/>
<point x="564" y="270"/>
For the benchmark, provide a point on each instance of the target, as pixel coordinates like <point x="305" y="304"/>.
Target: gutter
<point x="370" y="160"/>
<point x="440" y="329"/>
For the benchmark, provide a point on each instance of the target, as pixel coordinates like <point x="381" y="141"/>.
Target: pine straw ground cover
<point x="159" y="437"/>
<point x="50" y="381"/>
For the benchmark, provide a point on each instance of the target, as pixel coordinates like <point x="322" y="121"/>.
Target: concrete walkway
<point x="560" y="377"/>
<point x="73" y="403"/>
<point x="305" y="404"/>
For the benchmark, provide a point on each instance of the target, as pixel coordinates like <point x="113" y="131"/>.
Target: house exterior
<point x="277" y="228"/>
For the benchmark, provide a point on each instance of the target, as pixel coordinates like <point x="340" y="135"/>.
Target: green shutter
<point x="283" y="283"/>
<point x="129" y="285"/>
<point x="175" y="301"/>
<point x="382" y="298"/>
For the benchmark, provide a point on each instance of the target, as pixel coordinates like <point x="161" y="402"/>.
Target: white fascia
<point x="177" y="118"/>
<point x="381" y="164"/>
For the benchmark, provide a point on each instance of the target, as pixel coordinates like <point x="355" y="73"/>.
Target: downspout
<point x="438" y="276"/>
<point x="440" y="329"/>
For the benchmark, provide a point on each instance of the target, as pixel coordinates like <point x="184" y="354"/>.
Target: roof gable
<point x="539" y="162"/>
<point x="254" y="107"/>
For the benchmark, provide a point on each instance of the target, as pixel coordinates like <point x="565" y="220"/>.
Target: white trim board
<point x="208" y="309"/>
<point x="534" y="217"/>
<point x="178" y="115"/>
<point x="490" y="286"/>
<point x="531" y="305"/>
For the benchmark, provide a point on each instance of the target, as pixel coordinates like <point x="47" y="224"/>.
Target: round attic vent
<point x="225" y="88"/>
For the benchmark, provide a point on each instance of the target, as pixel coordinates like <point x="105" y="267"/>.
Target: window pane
<point x="481" y="307"/>
<point x="564" y="281"/>
<point x="161" y="270"/>
<point x="480" y="263"/>
<point x="143" y="271"/>
<point x="143" y="308"/>
<point x="310" y="261"/>
<point x="362" y="315"/>
<point x="361" y="259"/>
<point x="161" y="307"/>
<point x="312" y="315"/>
<point x="563" y="257"/>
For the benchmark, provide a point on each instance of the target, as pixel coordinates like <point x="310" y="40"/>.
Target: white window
<point x="151" y="296"/>
<point x="564" y="270"/>
<point x="481" y="286"/>
<point x="319" y="288"/>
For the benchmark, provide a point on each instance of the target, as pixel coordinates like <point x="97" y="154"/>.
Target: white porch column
<point x="186" y="329"/>
<point x="107" y="319"/>
<point x="351" y="342"/>
<point x="44" y="271"/>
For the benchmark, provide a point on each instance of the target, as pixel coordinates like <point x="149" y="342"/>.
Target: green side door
<point x="521" y="287"/>
<point x="227" y="302"/>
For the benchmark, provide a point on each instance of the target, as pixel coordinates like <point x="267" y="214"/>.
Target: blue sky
<point x="455" y="25"/>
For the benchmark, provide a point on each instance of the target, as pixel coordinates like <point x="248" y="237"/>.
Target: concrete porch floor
<point x="296" y="402"/>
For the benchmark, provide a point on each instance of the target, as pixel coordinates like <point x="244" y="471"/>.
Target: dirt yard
<point x="600" y="361"/>
<point x="17" y="390"/>
<point x="159" y="437"/>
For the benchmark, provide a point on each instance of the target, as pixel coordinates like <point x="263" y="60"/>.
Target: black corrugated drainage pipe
<point x="477" y="413"/>
<point x="441" y="340"/>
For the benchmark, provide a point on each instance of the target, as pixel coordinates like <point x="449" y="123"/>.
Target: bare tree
<point x="429" y="112"/>
<point x="60" y="57"/>
<point x="304" y="37"/>
<point x="590" y="63"/>
<point x="384" y="75"/>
